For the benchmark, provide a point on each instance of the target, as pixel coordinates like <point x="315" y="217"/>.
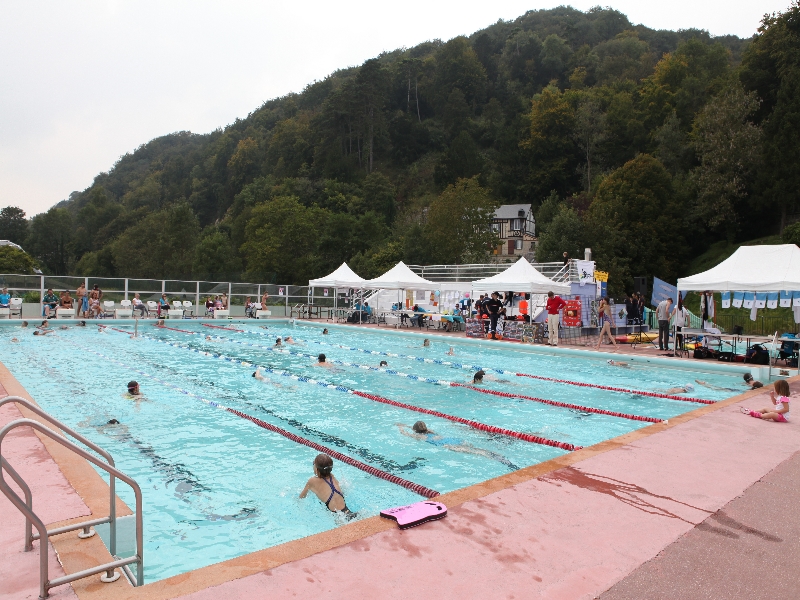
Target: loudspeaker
<point x="640" y="285"/>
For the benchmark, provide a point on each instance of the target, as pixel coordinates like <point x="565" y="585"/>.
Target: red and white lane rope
<point x="441" y="382"/>
<point x="409" y="485"/>
<point x="474" y="368"/>
<point x="474" y="424"/>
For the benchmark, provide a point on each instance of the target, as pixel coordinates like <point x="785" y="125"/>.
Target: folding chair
<point x="15" y="306"/>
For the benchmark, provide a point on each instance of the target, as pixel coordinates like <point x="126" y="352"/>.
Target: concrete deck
<point x="574" y="527"/>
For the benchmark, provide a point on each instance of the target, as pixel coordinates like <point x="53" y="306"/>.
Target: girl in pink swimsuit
<point x="780" y="412"/>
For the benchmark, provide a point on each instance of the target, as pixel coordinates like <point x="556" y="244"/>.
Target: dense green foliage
<point x="646" y="145"/>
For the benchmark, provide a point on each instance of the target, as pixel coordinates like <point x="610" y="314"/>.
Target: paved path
<point x="748" y="549"/>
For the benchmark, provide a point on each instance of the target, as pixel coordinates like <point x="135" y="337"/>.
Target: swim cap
<point x="688" y="387"/>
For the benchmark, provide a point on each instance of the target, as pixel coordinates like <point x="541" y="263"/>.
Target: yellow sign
<point x="600" y="276"/>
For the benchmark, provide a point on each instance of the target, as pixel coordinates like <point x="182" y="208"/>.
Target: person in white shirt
<point x="662" y="314"/>
<point x="681" y="320"/>
<point x="140" y="306"/>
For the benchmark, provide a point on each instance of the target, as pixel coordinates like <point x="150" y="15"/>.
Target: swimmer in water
<point x="289" y="340"/>
<point x="711" y="386"/>
<point x="419" y="431"/>
<point x="617" y="363"/>
<point x="752" y="383"/>
<point x="133" y="391"/>
<point x="326" y="487"/>
<point x="683" y="389"/>
<point x="482" y="375"/>
<point x="278" y="343"/>
<point x="14" y="340"/>
<point x="263" y="379"/>
<point x="160" y="323"/>
<point x="426" y="343"/>
<point x="322" y="362"/>
<point x="325" y="331"/>
<point x="24" y="324"/>
<point x="81" y="324"/>
<point x="383" y="364"/>
<point x="451" y="352"/>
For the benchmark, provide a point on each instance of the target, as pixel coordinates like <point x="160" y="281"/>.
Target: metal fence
<point x="281" y="297"/>
<point x="471" y="272"/>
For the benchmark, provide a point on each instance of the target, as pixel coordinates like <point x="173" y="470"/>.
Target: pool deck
<point x="621" y="519"/>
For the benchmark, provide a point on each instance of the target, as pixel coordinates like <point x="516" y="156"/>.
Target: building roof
<point x="511" y="211"/>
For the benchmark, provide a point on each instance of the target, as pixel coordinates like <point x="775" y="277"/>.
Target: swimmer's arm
<point x="304" y="493"/>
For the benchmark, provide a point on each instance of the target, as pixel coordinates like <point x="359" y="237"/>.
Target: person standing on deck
<point x="663" y="314"/>
<point x="554" y="304"/>
<point x="493" y="307"/>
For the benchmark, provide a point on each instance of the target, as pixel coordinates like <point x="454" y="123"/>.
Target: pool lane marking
<point x="409" y="485"/>
<point x="441" y="382"/>
<point x="527" y="437"/>
<point x="455" y="365"/>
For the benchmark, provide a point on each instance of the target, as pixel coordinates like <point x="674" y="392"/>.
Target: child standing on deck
<point x="780" y="411"/>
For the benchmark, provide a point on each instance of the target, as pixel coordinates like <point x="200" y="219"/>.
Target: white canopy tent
<point x="751" y="269"/>
<point x="522" y="276"/>
<point x="343" y="277"/>
<point x="400" y="277"/>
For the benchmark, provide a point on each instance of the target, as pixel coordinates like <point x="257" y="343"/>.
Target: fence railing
<point x="471" y="272"/>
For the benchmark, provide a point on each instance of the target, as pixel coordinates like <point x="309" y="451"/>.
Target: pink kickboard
<point x="415" y="514"/>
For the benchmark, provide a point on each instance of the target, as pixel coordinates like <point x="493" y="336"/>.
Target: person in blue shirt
<point x="5" y="298"/>
<point x="367" y="308"/>
<point x="417" y="319"/>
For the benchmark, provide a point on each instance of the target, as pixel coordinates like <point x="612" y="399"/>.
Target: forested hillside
<point x="646" y="145"/>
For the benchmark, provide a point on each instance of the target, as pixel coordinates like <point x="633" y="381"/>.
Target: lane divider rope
<point x="456" y="365"/>
<point x="409" y="485"/>
<point x="441" y="382"/>
<point x="527" y="437"/>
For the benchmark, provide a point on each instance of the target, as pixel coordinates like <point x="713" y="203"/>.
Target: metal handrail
<point x="45" y="584"/>
<point x="112" y="509"/>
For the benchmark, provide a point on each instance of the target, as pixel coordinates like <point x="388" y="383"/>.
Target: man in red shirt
<point x="554" y="304"/>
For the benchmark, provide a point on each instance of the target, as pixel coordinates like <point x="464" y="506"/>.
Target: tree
<point x="159" y="246"/>
<point x="459" y="223"/>
<point x="565" y="233"/>
<point x="547" y="212"/>
<point x="729" y="149"/>
<point x="50" y="239"/>
<point x="552" y="153"/>
<point x="215" y="258"/>
<point x="771" y="68"/>
<point x="13" y="225"/>
<point x="14" y="260"/>
<point x="462" y="160"/>
<point x="279" y="230"/>
<point x="633" y="224"/>
<point x="379" y="195"/>
<point x="590" y="131"/>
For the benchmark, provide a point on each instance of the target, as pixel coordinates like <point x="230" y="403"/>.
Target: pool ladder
<point x="31" y="520"/>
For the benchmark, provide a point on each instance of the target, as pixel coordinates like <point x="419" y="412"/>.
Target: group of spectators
<point x="250" y="307"/>
<point x="86" y="304"/>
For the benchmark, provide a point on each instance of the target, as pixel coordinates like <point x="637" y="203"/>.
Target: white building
<point x="515" y="225"/>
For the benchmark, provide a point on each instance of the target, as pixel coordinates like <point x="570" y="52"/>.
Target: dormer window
<point x="516" y="224"/>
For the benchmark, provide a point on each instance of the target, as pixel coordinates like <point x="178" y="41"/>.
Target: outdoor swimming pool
<point x="217" y="485"/>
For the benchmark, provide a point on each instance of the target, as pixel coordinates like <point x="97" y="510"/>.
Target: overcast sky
<point x="83" y="82"/>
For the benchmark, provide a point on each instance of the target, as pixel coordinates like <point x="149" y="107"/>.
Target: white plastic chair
<point x="152" y="306"/>
<point x="221" y="313"/>
<point x="15" y="306"/>
<point x="108" y="308"/>
<point x="65" y="313"/>
<point x="188" y="307"/>
<point x="126" y="312"/>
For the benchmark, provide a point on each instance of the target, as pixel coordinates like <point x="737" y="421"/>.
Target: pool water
<point x="217" y="486"/>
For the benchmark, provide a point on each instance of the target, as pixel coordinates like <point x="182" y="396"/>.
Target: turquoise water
<point x="217" y="486"/>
